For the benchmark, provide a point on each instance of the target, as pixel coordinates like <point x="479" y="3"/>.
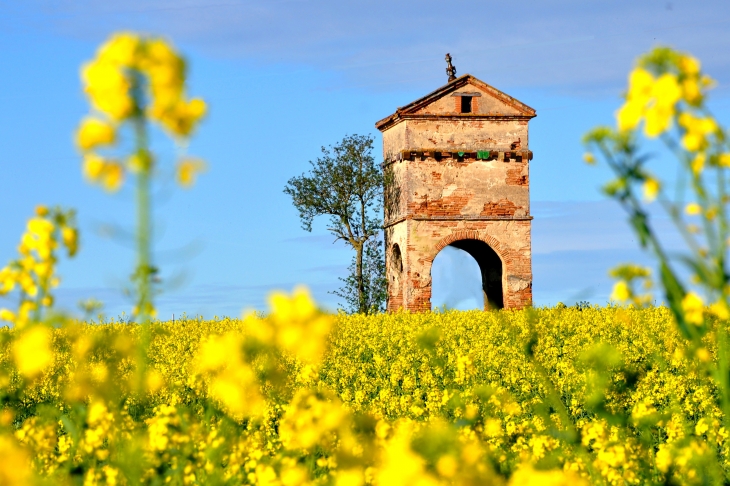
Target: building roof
<point x="416" y="108"/>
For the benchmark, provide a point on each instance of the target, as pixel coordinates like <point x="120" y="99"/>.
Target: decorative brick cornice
<point x="456" y="218"/>
<point x="503" y="155"/>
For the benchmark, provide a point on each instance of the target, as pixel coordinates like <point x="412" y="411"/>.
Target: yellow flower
<point x="108" y="88"/>
<point x="621" y="291"/>
<point x="692" y="305"/>
<point x="138" y="163"/>
<point x="121" y="49"/>
<point x="689" y="65"/>
<point x="589" y="158"/>
<point x="300" y="328"/>
<point x="310" y="419"/>
<point x="7" y="315"/>
<point x="349" y="477"/>
<point x="704" y="355"/>
<point x="696" y="131"/>
<point x="399" y="464"/>
<point x="724" y="160"/>
<point x="447" y="466"/>
<point x="113" y="176"/>
<point x="653" y="99"/>
<point x="182" y="118"/>
<point x="41" y="211"/>
<point x="641" y="83"/>
<point x="666" y="91"/>
<point x="217" y="351"/>
<point x="663" y="458"/>
<point x="32" y="351"/>
<point x="160" y="52"/>
<point x="720" y="309"/>
<point x="698" y="164"/>
<point x="651" y="189"/>
<point x="167" y="79"/>
<point x="691" y="90"/>
<point x="299" y="306"/>
<point x="15" y="466"/>
<point x="93" y="133"/>
<point x="238" y="392"/>
<point x="658" y="120"/>
<point x="188" y="169"/>
<point x="629" y="116"/>
<point x="527" y="476"/>
<point x="693" y="209"/>
<point x="93" y="167"/>
<point x="70" y="237"/>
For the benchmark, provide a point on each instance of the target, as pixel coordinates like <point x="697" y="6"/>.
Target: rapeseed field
<point x="606" y="395"/>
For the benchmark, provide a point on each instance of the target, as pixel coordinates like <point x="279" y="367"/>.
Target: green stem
<point x="143" y="272"/>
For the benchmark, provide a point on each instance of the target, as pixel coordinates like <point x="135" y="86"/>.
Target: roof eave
<point x="396" y="117"/>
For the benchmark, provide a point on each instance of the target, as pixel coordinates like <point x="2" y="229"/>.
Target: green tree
<point x="346" y="184"/>
<point x="373" y="280"/>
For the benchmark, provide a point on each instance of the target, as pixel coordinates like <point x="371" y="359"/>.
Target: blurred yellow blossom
<point x="651" y="189"/>
<point x="698" y="164"/>
<point x="720" y="309"/>
<point x="32" y="351"/>
<point x="93" y="133"/>
<point x="692" y="305"/>
<point x="693" y="209"/>
<point x="528" y="476"/>
<point x="665" y="93"/>
<point x="121" y="49"/>
<point x="640" y="90"/>
<point x="15" y="466"/>
<point x="696" y="131"/>
<point x="310" y="418"/>
<point x="299" y="326"/>
<point x="188" y="169"/>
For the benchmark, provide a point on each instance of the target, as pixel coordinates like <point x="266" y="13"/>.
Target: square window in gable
<point x="466" y="104"/>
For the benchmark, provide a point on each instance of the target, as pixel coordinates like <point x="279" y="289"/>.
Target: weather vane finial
<point x="450" y="69"/>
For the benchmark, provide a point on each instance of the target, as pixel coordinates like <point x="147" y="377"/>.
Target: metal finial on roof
<point x="450" y="69"/>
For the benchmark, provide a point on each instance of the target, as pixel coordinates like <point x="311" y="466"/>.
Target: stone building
<point x="458" y="174"/>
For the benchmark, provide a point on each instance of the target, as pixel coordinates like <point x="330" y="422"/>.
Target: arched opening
<point x="467" y="274"/>
<point x="395" y="261"/>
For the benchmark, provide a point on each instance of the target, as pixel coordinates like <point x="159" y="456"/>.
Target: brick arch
<point x="504" y="254"/>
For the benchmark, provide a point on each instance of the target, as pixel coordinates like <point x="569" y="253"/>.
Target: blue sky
<point x="283" y="78"/>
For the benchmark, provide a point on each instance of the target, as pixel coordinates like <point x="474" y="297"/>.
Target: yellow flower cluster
<point x="112" y="79"/>
<point x="134" y="78"/>
<point x="33" y="275"/>
<point x="301" y="397"/>
<point x="654" y="99"/>
<point x="624" y="289"/>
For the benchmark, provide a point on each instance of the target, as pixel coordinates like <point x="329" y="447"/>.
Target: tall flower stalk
<point x="666" y="96"/>
<point x="135" y="81"/>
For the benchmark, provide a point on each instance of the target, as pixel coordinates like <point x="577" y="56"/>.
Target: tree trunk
<point x="362" y="304"/>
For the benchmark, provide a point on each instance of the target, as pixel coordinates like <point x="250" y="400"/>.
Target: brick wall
<point x="425" y="239"/>
<point x="438" y="202"/>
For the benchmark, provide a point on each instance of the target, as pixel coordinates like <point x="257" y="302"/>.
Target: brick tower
<point x="457" y="168"/>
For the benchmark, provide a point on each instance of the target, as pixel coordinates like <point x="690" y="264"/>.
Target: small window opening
<point x="397" y="259"/>
<point x="466" y="104"/>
